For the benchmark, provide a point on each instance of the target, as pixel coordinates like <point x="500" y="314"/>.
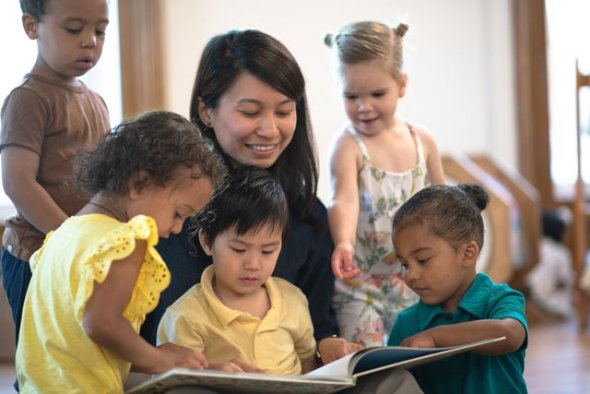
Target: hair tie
<point x="401" y="30"/>
<point x="329" y="40"/>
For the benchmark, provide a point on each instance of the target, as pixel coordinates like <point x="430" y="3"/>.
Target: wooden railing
<point x="510" y="195"/>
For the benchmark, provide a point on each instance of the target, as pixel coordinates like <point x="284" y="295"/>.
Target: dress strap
<point x="360" y="143"/>
<point x="418" y="143"/>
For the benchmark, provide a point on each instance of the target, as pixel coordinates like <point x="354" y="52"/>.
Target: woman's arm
<point x="305" y="262"/>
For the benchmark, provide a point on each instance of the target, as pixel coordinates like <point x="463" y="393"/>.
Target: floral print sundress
<point x="366" y="306"/>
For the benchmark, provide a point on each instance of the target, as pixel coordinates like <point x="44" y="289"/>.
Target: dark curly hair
<point x="452" y="213"/>
<point x="155" y="143"/>
<point x="251" y="200"/>
<point x="34" y="7"/>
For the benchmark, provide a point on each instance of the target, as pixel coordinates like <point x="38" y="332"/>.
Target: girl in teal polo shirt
<point x="438" y="235"/>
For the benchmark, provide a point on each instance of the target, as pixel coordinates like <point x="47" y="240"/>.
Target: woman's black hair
<point x="224" y="59"/>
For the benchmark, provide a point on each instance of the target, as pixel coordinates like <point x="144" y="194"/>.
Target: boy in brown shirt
<point x="45" y="120"/>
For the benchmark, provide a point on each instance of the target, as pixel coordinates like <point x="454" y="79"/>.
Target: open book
<point x="330" y="378"/>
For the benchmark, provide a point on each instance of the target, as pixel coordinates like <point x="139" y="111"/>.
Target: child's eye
<point x="350" y="97"/>
<point x="378" y="94"/>
<point x="268" y="251"/>
<point x="73" y="31"/>
<point x="238" y="250"/>
<point x="100" y="32"/>
<point x="404" y="272"/>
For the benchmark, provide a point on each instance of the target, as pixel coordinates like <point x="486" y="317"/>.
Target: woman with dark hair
<point x="249" y="99"/>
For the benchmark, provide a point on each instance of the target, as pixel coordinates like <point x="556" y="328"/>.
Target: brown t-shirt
<point x="54" y="120"/>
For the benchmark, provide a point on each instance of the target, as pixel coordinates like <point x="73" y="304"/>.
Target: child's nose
<point x="89" y="40"/>
<point x="252" y="263"/>
<point x="411" y="274"/>
<point x="362" y="104"/>
<point x="177" y="226"/>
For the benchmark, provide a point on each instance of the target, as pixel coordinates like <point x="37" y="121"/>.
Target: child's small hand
<point x="236" y="365"/>
<point x="342" y="262"/>
<point x="180" y="356"/>
<point x="420" y="340"/>
<point x="331" y="349"/>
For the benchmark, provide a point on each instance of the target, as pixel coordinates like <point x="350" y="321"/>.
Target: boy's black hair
<point x="33" y="7"/>
<point x="252" y="199"/>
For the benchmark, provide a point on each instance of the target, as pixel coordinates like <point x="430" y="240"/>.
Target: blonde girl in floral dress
<point x="377" y="162"/>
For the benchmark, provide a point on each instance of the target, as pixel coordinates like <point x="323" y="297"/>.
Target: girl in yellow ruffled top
<point x="98" y="274"/>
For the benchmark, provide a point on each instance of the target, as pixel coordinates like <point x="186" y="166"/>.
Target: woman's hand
<point x="331" y="349"/>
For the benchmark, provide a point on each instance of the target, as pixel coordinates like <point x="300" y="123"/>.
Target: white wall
<point x="460" y="61"/>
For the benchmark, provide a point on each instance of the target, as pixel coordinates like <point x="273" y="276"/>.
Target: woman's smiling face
<point x="253" y="122"/>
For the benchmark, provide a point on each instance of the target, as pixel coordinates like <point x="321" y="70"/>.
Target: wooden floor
<point x="557" y="360"/>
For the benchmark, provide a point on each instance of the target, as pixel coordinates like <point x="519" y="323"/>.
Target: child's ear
<point x="403" y="83"/>
<point x="470" y="253"/>
<point x="137" y="184"/>
<point x="30" y="24"/>
<point x="204" y="243"/>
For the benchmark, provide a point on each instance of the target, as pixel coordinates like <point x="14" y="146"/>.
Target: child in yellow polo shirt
<point x="239" y="316"/>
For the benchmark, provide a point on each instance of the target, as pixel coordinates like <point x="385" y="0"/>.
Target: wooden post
<point x="580" y="212"/>
<point x="141" y="56"/>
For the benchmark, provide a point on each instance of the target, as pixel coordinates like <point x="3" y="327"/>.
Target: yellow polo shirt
<point x="276" y="344"/>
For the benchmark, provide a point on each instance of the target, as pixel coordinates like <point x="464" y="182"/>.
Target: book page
<point x="236" y="383"/>
<point x="380" y="358"/>
<point x="373" y="359"/>
<point x="368" y="359"/>
<point x="340" y="369"/>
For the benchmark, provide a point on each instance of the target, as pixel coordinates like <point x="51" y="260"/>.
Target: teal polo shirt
<point x="467" y="372"/>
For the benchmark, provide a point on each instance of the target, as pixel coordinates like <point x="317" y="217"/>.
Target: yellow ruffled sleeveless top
<point x="54" y="353"/>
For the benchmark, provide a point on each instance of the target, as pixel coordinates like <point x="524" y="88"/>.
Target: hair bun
<point x="401" y="29"/>
<point x="329" y="40"/>
<point x="478" y="194"/>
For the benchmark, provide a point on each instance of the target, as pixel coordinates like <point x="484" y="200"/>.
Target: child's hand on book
<point x="173" y="355"/>
<point x="331" y="349"/>
<point x="235" y="365"/>
<point x="420" y="340"/>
